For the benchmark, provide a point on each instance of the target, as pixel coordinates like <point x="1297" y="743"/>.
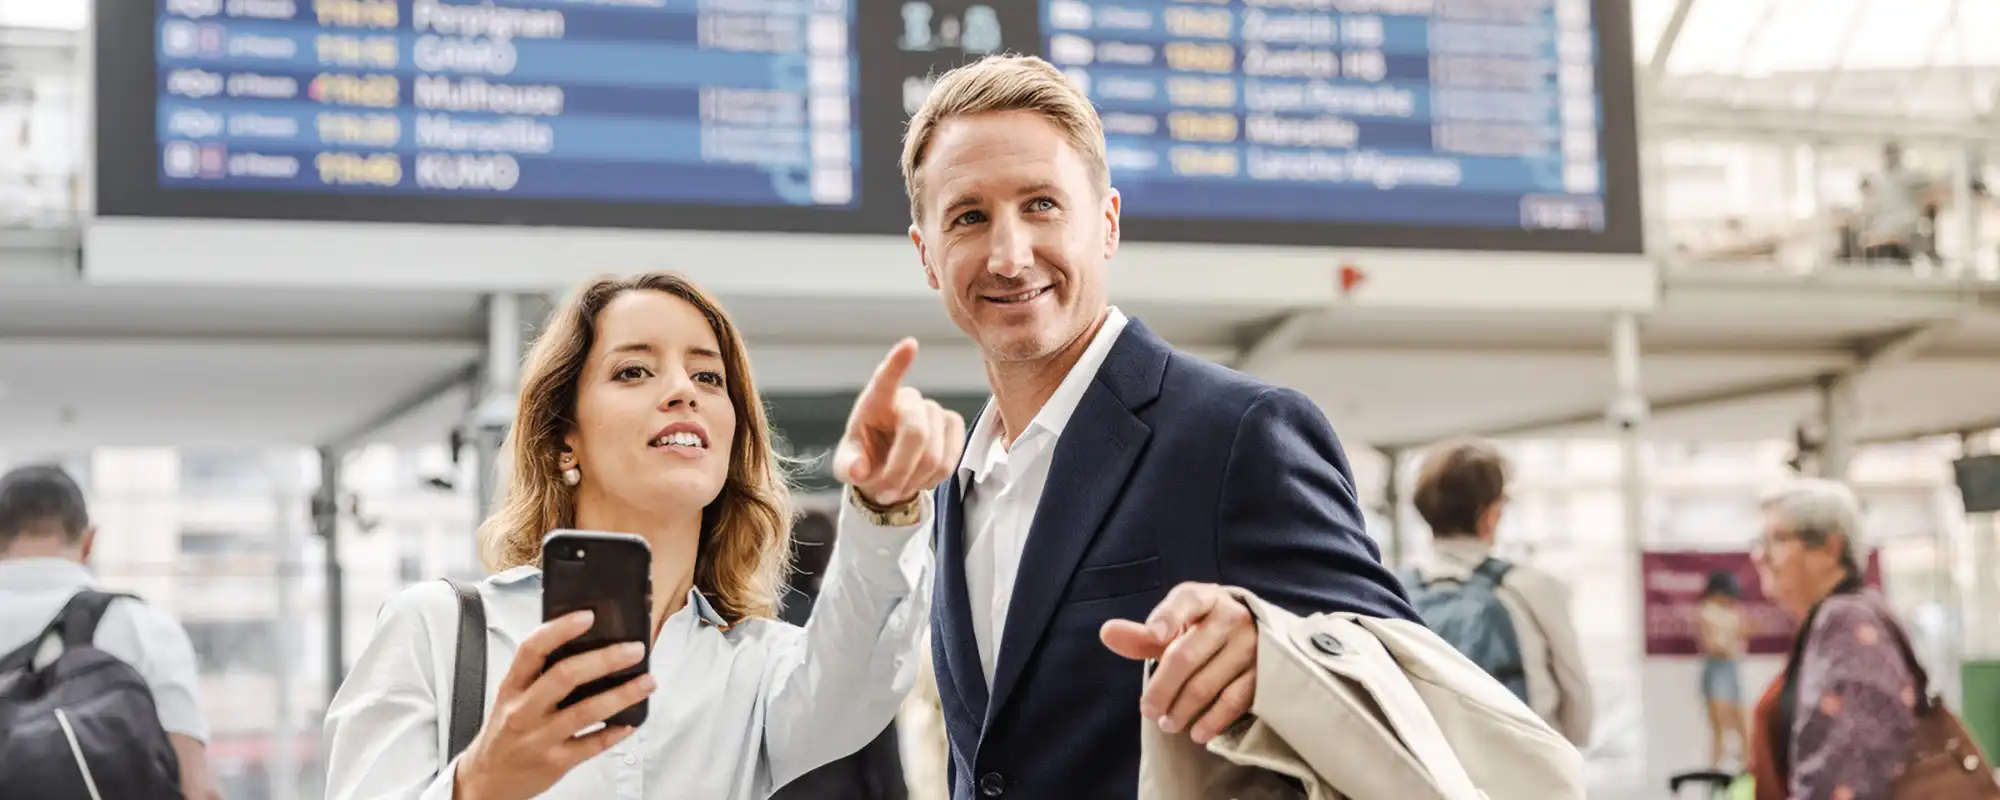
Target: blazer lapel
<point x="1092" y="459"/>
<point x="951" y="621"/>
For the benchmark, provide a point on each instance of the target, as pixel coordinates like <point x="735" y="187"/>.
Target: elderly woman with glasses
<point x="1837" y="724"/>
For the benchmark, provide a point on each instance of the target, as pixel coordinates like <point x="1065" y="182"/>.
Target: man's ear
<point x="1112" y="204"/>
<point x="923" y="255"/>
<point x="87" y="542"/>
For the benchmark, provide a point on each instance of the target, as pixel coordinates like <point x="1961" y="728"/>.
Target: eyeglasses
<point x="1768" y="542"/>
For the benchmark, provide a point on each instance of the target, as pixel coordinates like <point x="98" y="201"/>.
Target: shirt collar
<point x="532" y="576"/>
<point x="706" y="612"/>
<point x="1460" y="551"/>
<point x="44" y="574"/>
<point x="981" y="450"/>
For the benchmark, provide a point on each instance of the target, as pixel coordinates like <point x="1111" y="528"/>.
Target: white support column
<point x="1628" y="411"/>
<point x="1836" y="419"/>
<point x="1819" y="222"/>
<point x="503" y="336"/>
<point x="1392" y="500"/>
<point x="325" y="508"/>
<point x="499" y="392"/>
<point x="1965" y="212"/>
<point x="286" y="668"/>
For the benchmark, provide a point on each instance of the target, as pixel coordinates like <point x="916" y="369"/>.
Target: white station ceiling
<point x="83" y="366"/>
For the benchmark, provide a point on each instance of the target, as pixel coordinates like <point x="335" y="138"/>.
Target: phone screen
<point x="610" y="575"/>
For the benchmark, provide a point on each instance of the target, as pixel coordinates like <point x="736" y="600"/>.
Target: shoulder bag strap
<point x="1494" y="570"/>
<point x="1919" y="677"/>
<point x="75" y="625"/>
<point x="79" y="618"/>
<point x="468" y="686"/>
<point x="1780" y="731"/>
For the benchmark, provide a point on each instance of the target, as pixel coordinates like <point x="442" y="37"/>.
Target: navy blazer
<point x="1173" y="469"/>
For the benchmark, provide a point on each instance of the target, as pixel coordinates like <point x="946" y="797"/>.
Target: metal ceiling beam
<point x="357" y="435"/>
<point x="1277" y="337"/>
<point x="1830" y="77"/>
<point x="1839" y="391"/>
<point x="1658" y="406"/>
<point x="1669" y="37"/>
<point x="1903" y="346"/>
<point x="1753" y="38"/>
<point x="1929" y="67"/>
<point x="1719" y="120"/>
<point x="1896" y="348"/>
<point x="1913" y="434"/>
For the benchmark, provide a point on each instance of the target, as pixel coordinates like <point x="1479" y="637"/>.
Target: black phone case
<point x="630" y="602"/>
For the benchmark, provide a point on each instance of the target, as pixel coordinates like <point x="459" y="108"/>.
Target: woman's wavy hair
<point x="745" y="534"/>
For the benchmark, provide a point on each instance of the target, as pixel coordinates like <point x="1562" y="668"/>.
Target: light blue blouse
<point x="740" y="710"/>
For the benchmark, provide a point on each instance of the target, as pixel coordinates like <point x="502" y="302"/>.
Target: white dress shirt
<point x="1538" y="604"/>
<point x="145" y="637"/>
<point x="741" y="710"/>
<point x="1003" y="487"/>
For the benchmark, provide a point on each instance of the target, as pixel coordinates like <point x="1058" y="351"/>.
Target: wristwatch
<point x="903" y="515"/>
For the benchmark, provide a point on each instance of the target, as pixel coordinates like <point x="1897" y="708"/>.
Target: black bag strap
<point x="75" y="625"/>
<point x="80" y="616"/>
<point x="1780" y="732"/>
<point x="468" y="685"/>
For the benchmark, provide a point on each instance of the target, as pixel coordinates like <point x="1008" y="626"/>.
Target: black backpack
<point x="84" y="725"/>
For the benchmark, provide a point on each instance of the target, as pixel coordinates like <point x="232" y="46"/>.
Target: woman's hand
<point x="527" y="744"/>
<point x="898" y="444"/>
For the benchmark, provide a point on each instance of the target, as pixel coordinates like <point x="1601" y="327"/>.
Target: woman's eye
<point x="709" y="377"/>
<point x="632" y="373"/>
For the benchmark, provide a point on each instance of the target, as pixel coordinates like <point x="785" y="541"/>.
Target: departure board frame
<point x="129" y="156"/>
<point x="1617" y="146"/>
<point x="128" y="153"/>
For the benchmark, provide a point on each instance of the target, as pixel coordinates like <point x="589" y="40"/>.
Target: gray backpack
<point x="84" y="725"/>
<point x="1470" y="616"/>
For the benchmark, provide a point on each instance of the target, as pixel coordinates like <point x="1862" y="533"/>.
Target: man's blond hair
<point x="1004" y="83"/>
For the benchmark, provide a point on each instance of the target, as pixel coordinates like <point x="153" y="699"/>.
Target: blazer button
<point x="1325" y="643"/>
<point x="992" y="785"/>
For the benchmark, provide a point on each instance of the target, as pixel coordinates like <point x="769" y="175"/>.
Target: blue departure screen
<point x="741" y="102"/>
<point x="1446" y="113"/>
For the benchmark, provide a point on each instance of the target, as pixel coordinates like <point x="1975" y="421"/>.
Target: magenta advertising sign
<point x="1674" y="583"/>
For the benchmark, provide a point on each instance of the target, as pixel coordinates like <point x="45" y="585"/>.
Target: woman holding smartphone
<point x="638" y="415"/>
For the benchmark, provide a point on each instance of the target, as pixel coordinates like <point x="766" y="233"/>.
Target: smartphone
<point x="610" y="574"/>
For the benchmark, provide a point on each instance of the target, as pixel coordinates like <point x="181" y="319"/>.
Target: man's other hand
<point x="1206" y="644"/>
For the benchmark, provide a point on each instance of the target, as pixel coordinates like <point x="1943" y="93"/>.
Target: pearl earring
<point x="572" y="476"/>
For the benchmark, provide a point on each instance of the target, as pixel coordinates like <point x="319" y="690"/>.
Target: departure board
<point x="1448" y="113"/>
<point x="1435" y="124"/>
<point x="748" y="102"/>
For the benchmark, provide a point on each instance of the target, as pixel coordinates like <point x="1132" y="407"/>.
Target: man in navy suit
<point x="1111" y="480"/>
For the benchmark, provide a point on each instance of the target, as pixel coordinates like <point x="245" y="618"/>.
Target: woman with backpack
<point x="1512" y="620"/>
